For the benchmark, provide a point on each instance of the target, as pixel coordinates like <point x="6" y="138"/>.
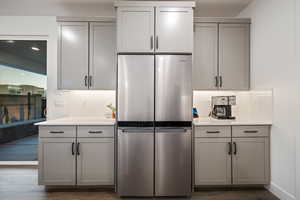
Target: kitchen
<point x="263" y="110"/>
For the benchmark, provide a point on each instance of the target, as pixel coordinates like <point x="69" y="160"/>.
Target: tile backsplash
<point x="250" y="105"/>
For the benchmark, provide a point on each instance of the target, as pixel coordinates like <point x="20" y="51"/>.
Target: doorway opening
<point x="23" y="86"/>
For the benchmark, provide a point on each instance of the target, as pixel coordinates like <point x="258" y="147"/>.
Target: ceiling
<point x="204" y="8"/>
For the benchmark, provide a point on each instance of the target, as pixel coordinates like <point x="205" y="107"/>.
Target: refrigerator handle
<point x="171" y="130"/>
<point x="136" y="130"/>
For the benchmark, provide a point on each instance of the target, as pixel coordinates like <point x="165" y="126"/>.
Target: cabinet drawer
<point x="213" y="131"/>
<point x="57" y="131"/>
<point x="250" y="131"/>
<point x="95" y="131"/>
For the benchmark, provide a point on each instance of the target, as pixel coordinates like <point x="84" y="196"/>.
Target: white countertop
<point x="84" y="121"/>
<point x="237" y="122"/>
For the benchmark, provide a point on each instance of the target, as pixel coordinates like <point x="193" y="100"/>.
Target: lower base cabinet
<point x="250" y="161"/>
<point x="240" y="158"/>
<point x="213" y="162"/>
<point x="57" y="161"/>
<point x="95" y="161"/>
<point x="65" y="159"/>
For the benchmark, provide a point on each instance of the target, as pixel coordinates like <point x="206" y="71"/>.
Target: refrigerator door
<point x="135" y="88"/>
<point x="173" y="92"/>
<point x="173" y="162"/>
<point x="135" y="162"/>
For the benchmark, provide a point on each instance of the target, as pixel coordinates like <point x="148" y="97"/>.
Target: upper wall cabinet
<point x="86" y="55"/>
<point x="174" y="29"/>
<point x="222" y="56"/>
<point x="205" y="70"/>
<point x="103" y="56"/>
<point x="73" y="58"/>
<point x="147" y="27"/>
<point x="234" y="56"/>
<point x="135" y="29"/>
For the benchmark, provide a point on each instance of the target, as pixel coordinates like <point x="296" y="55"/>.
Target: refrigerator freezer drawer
<point x="173" y="162"/>
<point x="173" y="90"/>
<point x="135" y="162"/>
<point x="135" y="88"/>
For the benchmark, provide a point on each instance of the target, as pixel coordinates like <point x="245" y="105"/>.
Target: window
<point x="23" y="85"/>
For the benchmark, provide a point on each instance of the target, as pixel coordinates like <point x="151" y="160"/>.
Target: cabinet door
<point x="234" y="56"/>
<point x="57" y="161"/>
<point x="212" y="161"/>
<point x="174" y="30"/>
<point x="95" y="161"/>
<point x="73" y="55"/>
<point x="102" y="56"/>
<point x="250" y="161"/>
<point x="135" y="29"/>
<point x="205" y="68"/>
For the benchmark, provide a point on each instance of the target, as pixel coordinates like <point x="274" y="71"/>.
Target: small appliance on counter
<point x="221" y="107"/>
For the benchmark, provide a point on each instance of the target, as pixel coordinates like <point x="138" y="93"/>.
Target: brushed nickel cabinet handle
<point x="95" y="132"/>
<point x="156" y="42"/>
<point x="56" y="132"/>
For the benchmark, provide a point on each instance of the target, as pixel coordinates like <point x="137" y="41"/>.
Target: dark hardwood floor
<point x="21" y="184"/>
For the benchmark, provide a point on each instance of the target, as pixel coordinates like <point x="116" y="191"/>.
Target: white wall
<point x="273" y="65"/>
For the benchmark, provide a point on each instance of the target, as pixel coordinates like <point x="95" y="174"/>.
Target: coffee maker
<point x="221" y="107"/>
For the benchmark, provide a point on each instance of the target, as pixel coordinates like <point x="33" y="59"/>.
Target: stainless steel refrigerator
<point x="154" y="119"/>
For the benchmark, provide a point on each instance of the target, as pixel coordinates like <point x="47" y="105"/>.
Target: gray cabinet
<point x="135" y="29"/>
<point x="155" y="27"/>
<point x="174" y="29"/>
<point x="73" y="55"/>
<point x="234" y="56"/>
<point x="250" y="161"/>
<point x="102" y="70"/>
<point x="95" y="161"/>
<point x="205" y="68"/>
<point x="84" y="160"/>
<point x="221" y="56"/>
<point x="57" y="161"/>
<point x="240" y="159"/>
<point x="212" y="161"/>
<point x="86" y="55"/>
